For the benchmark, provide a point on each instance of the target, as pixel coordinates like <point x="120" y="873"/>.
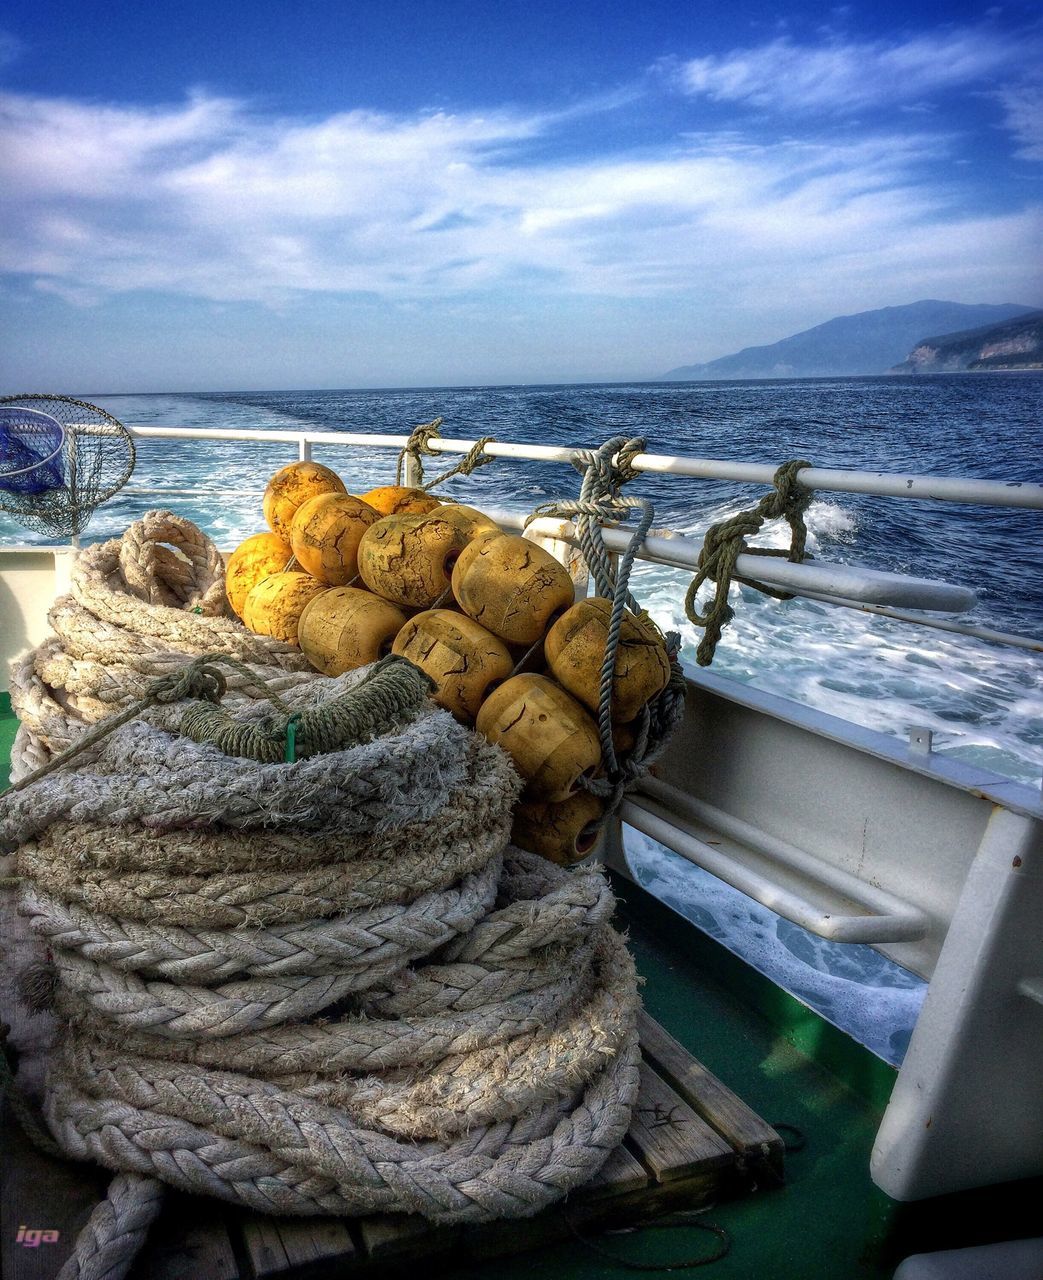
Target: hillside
<point x="867" y="343"/>
<point x="1014" y="344"/>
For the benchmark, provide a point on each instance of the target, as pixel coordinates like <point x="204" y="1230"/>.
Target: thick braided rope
<point x="523" y="1026"/>
<point x="109" y="1241"/>
<point x="726" y="541"/>
<point x="166" y="560"/>
<point x="98" y="584"/>
<point x="281" y="1154"/>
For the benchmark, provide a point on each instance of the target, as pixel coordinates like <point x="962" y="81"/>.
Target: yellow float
<point x="408" y="559"/>
<point x="325" y="536"/>
<point x="462" y="658"/>
<point x="254" y="559"/>
<point x="346" y="627"/>
<point x="469" y="520"/>
<point x="549" y="736"/>
<point x="563" y="831"/>
<point x="511" y="586"/>
<point x="289" y="488"/>
<point x="274" y="606"/>
<point x="575" y="649"/>
<point x="400" y="500"/>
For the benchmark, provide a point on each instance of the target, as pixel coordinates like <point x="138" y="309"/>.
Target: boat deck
<point x="826" y="1222"/>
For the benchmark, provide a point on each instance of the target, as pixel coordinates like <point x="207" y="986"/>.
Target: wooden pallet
<point x="691" y="1141"/>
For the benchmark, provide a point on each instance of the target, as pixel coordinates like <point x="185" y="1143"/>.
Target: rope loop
<point x="392" y="690"/>
<point x="419" y="446"/>
<point x="605" y="471"/>
<point x="726" y="541"/>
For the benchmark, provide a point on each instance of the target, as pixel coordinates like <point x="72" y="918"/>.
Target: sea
<point x="983" y="701"/>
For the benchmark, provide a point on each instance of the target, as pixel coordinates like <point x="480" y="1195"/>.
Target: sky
<point x="234" y="196"/>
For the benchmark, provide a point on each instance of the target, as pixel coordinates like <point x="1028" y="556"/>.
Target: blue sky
<point x="233" y="196"/>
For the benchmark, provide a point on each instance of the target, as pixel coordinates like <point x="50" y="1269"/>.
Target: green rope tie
<point x="726" y="541"/>
<point x="391" y="692"/>
<point x="419" y="446"/>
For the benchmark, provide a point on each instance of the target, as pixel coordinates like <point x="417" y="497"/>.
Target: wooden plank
<point x="722" y="1109"/>
<point x="40" y="1193"/>
<point x="621" y="1175"/>
<point x="670" y="1138"/>
<point x="312" y="1243"/>
<point x="264" y="1246"/>
<point x="189" y="1239"/>
<point x="394" y="1234"/>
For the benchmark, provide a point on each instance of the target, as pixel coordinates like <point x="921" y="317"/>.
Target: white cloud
<point x="207" y="200"/>
<point x="1024" y="112"/>
<point x="843" y="76"/>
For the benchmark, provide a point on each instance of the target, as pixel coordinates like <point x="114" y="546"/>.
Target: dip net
<point x="59" y="459"/>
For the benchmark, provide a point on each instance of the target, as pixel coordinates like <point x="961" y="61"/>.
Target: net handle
<point x="35" y="466"/>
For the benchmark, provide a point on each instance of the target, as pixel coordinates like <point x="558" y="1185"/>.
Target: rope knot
<point x="725" y="541"/>
<point x="199" y="680"/>
<point x="418" y="446"/>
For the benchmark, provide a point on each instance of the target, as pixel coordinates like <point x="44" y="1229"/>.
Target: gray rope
<point x="605" y="471"/>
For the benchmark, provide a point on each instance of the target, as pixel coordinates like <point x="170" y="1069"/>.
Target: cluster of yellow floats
<point x="491" y="617"/>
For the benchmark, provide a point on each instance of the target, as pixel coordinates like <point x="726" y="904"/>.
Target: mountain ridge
<point x="865" y="342"/>
<point x="1011" y="344"/>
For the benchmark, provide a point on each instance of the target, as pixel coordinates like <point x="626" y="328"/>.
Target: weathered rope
<point x="419" y="446"/>
<point x="391" y="690"/>
<point x="726" y="541"/>
<point x="605" y="471"/>
<point x="110" y="1239"/>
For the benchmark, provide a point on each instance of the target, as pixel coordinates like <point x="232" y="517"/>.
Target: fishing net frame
<point x="97" y="459"/>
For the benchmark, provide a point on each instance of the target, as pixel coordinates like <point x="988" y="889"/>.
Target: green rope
<point x="200" y="678"/>
<point x="419" y="446"/>
<point x="726" y="541"/>
<point x="390" y="692"/>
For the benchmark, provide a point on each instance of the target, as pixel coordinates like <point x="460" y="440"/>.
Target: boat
<point x="851" y="834"/>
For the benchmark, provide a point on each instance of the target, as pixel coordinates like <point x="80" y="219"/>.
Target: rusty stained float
<point x="253" y="559"/>
<point x="291" y="487"/>
<point x="347" y="627"/>
<point x="325" y="536"/>
<point x="465" y="661"/>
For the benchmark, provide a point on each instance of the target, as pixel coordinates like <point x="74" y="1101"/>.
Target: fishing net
<point x="59" y="459"/>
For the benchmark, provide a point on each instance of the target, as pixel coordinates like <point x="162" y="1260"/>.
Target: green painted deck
<point x="828" y="1222"/>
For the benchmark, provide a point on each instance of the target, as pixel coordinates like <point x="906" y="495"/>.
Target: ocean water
<point x="984" y="702"/>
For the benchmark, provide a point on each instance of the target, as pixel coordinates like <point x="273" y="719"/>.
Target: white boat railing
<point x="999" y="493"/>
<point x="843" y="586"/>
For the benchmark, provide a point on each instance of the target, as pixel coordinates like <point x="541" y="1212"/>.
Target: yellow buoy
<point x="399" y="500"/>
<point x="575" y="650"/>
<point x="408" y="559"/>
<point x="511" y="586"/>
<point x="252" y="560"/>
<point x="291" y="487"/>
<point x="563" y="831"/>
<point x="462" y="658"/>
<point x="469" y="519"/>
<point x="545" y="731"/>
<point x="346" y="627"/>
<point x="326" y="533"/>
<point x="274" y="606"/>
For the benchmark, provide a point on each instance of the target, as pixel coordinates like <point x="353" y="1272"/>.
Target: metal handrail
<point x="664" y="813"/>
<point x="1000" y="493"/>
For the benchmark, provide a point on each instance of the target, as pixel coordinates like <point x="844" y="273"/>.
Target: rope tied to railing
<point x="419" y="446"/>
<point x="726" y="541"/>
<point x="605" y="471"/>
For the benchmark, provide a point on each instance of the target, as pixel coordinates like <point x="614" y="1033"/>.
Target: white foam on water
<point x="984" y="702"/>
<point x="852" y="986"/>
